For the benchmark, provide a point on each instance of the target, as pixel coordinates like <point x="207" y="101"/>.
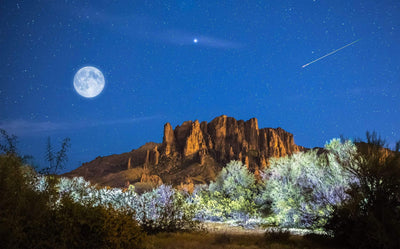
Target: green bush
<point x="29" y="218"/>
<point x="231" y="196"/>
<point x="23" y="211"/>
<point x="83" y="226"/>
<point x="33" y="214"/>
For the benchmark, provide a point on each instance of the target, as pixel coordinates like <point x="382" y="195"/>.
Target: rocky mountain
<point x="191" y="153"/>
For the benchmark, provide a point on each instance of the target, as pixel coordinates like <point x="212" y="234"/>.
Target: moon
<point x="89" y="82"/>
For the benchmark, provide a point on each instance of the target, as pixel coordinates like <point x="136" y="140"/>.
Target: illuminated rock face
<point x="168" y="139"/>
<point x="226" y="138"/>
<point x="194" y="142"/>
<point x="193" y="152"/>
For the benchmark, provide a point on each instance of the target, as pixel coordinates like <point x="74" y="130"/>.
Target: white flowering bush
<point x="163" y="209"/>
<point x="303" y="188"/>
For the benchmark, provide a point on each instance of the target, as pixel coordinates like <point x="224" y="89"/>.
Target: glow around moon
<point x="89" y="82"/>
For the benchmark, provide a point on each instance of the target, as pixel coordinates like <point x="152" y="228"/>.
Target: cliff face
<point x="193" y="152"/>
<point x="226" y="139"/>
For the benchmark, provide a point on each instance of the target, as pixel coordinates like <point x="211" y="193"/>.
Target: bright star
<point x="195" y="40"/>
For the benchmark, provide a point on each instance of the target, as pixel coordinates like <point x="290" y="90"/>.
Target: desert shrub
<point x="231" y="196"/>
<point x="234" y="181"/>
<point x="370" y="218"/>
<point x="22" y="209"/>
<point x="78" y="225"/>
<point x="122" y="230"/>
<point x="29" y="219"/>
<point x="301" y="189"/>
<point x="162" y="209"/>
<point x="165" y="209"/>
<point x="35" y="214"/>
<point x="84" y="192"/>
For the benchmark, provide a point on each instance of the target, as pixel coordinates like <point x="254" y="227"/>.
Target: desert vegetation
<point x="347" y="193"/>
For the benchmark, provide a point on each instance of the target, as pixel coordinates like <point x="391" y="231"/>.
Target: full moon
<point x="89" y="82"/>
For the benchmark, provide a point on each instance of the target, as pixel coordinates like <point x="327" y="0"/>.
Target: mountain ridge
<point x="192" y="153"/>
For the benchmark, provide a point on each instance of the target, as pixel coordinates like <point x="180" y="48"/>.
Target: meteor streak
<point x="320" y="58"/>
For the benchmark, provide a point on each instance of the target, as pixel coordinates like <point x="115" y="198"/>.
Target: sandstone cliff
<point x="226" y="139"/>
<point x="192" y="152"/>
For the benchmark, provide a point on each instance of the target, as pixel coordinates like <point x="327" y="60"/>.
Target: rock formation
<point x="193" y="150"/>
<point x="168" y="139"/>
<point x="129" y="163"/>
<point x="225" y="139"/>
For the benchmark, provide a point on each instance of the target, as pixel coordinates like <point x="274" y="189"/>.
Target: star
<point x="195" y="40"/>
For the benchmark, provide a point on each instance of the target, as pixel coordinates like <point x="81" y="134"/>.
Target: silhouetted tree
<point x="10" y="145"/>
<point x="56" y="159"/>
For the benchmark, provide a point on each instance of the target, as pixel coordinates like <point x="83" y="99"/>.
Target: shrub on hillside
<point x="301" y="189"/>
<point x="30" y="219"/>
<point x="370" y="218"/>
<point x="23" y="211"/>
<point x="166" y="209"/>
<point x="34" y="214"/>
<point x="78" y="225"/>
<point x="231" y="196"/>
<point x="162" y="209"/>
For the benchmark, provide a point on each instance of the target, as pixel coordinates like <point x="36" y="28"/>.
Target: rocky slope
<point x="191" y="153"/>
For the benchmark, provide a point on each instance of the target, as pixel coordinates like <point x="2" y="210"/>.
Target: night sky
<point x="172" y="61"/>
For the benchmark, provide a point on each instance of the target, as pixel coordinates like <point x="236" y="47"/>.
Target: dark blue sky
<point x="247" y="63"/>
